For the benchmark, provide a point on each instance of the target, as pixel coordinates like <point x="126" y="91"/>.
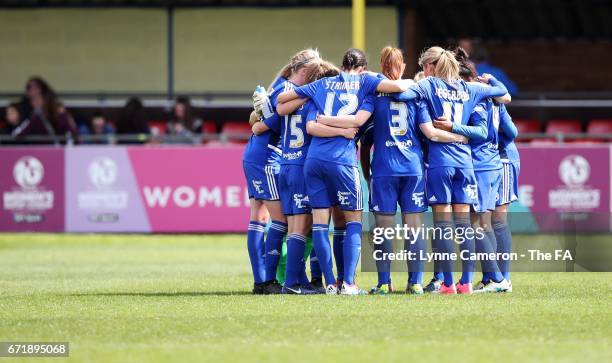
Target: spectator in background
<point x="480" y="56"/>
<point x="44" y="115"/>
<point x="12" y="119"/>
<point x="183" y="125"/>
<point x="133" y="121"/>
<point x="99" y="130"/>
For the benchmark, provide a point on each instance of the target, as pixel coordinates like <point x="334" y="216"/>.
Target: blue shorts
<point x="450" y="185"/>
<point x="262" y="180"/>
<point x="488" y="185"/>
<point x="408" y="191"/>
<point x="508" y="188"/>
<point x="329" y="184"/>
<point x="294" y="199"/>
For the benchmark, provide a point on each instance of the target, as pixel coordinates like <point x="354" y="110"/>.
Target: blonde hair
<point x="392" y="62"/>
<point x="444" y="61"/>
<point x="319" y="69"/>
<point x="419" y="76"/>
<point x="299" y="60"/>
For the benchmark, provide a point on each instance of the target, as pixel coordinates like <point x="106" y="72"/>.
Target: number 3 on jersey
<point x="349" y="100"/>
<point x="453" y="112"/>
<point x="399" y="120"/>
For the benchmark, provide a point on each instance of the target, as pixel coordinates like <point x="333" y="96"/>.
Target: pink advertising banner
<point x="192" y="189"/>
<point x="202" y="189"/>
<point x="32" y="188"/>
<point x="567" y="188"/>
<point x="562" y="178"/>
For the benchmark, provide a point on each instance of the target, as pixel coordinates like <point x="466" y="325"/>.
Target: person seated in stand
<point x="97" y="131"/>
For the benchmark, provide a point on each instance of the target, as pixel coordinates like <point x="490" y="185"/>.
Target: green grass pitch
<point x="186" y="298"/>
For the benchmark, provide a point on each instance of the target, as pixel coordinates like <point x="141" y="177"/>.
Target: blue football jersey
<point x="455" y="102"/>
<point x="265" y="148"/>
<point x="341" y="95"/>
<point x="397" y="138"/>
<point x="507" y="134"/>
<point x="295" y="139"/>
<point x="485" y="153"/>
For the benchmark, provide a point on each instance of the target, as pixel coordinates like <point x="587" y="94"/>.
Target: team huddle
<point x="443" y="140"/>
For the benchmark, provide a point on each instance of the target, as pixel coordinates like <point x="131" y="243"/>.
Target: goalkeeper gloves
<point x="262" y="104"/>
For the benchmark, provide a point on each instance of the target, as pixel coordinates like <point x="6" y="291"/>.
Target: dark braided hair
<point x="467" y="70"/>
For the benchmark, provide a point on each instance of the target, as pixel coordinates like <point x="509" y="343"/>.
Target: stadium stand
<point x="599" y="126"/>
<point x="158" y="127"/>
<point x="561" y="128"/>
<point x="527" y="127"/>
<point x="236" y="131"/>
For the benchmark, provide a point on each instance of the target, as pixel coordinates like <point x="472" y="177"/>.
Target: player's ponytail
<point x="354" y="58"/>
<point x="392" y="63"/>
<point x="467" y="70"/>
<point x="299" y="60"/>
<point x="444" y="61"/>
<point x="419" y="76"/>
<point x="447" y="67"/>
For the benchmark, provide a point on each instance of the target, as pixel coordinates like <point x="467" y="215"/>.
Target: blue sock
<point x="274" y="244"/>
<point x="338" y="251"/>
<point x="467" y="266"/>
<point x="315" y="269"/>
<point x="496" y="275"/>
<point x="415" y="266"/>
<point x="437" y="274"/>
<point x="445" y="245"/>
<point x="383" y="266"/>
<point x="320" y="243"/>
<point x="255" y="246"/>
<point x="504" y="245"/>
<point x="295" y="259"/>
<point x="351" y="250"/>
<point x="490" y="271"/>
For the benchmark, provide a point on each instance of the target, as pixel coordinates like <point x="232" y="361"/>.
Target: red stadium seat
<point x="209" y="132"/>
<point x="527" y="127"/>
<point x="600" y="126"/>
<point x="209" y="127"/>
<point x="563" y="127"/>
<point x="158" y="127"/>
<point x="238" y="131"/>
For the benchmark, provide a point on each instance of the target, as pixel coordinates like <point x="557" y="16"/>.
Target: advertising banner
<point x="102" y="192"/>
<point x="202" y="189"/>
<point x="558" y="179"/>
<point x="32" y="188"/>
<point x="192" y="189"/>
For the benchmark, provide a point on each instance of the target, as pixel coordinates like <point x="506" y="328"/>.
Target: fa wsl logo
<point x="102" y="196"/>
<point x="574" y="172"/>
<point x="29" y="200"/>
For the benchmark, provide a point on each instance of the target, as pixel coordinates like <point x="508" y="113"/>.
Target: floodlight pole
<point x="170" y="52"/>
<point x="359" y="25"/>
